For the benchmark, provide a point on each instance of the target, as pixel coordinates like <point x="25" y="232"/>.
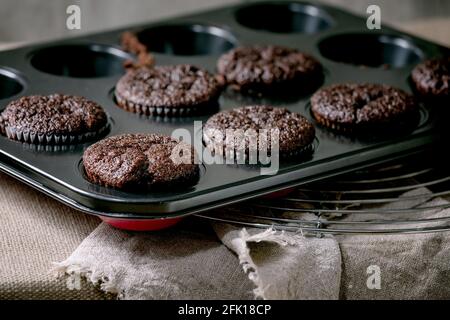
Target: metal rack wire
<point x="405" y="196"/>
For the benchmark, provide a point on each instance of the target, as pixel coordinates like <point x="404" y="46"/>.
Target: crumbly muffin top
<point x="168" y="86"/>
<point x="295" y="131"/>
<point x="361" y="103"/>
<point x="432" y="77"/>
<point x="54" y="114"/>
<point x="266" y="65"/>
<point x="133" y="160"/>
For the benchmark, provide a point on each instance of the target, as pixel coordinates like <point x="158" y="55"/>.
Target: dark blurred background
<point x="37" y="20"/>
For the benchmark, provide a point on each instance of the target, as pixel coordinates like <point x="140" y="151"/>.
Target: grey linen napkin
<point x="180" y="263"/>
<point x="285" y="265"/>
<point x="171" y="264"/>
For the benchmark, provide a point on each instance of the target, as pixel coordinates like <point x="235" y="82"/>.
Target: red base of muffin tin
<point x="141" y="225"/>
<point x="159" y="224"/>
<point x="279" y="194"/>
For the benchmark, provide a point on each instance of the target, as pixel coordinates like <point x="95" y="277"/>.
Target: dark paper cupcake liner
<point x="51" y="139"/>
<point x="244" y="155"/>
<point x="402" y="123"/>
<point x="338" y="127"/>
<point x="167" y="111"/>
<point x="49" y="147"/>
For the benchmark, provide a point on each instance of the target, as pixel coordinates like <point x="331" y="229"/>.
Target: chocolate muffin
<point x="431" y="78"/>
<point x="269" y="69"/>
<point x="52" y="119"/>
<point x="296" y="133"/>
<point x="132" y="161"/>
<point x="346" y="107"/>
<point x="167" y="90"/>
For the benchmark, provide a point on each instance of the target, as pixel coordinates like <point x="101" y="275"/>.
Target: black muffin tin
<point x="91" y="65"/>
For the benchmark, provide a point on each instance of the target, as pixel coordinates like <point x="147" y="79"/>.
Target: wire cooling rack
<point x="411" y="195"/>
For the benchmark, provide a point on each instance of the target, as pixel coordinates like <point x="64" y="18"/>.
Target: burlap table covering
<point x="34" y="231"/>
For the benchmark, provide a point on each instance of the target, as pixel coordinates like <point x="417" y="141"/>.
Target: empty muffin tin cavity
<point x="187" y="39"/>
<point x="80" y="61"/>
<point x="10" y="83"/>
<point x="289" y="17"/>
<point x="370" y="50"/>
